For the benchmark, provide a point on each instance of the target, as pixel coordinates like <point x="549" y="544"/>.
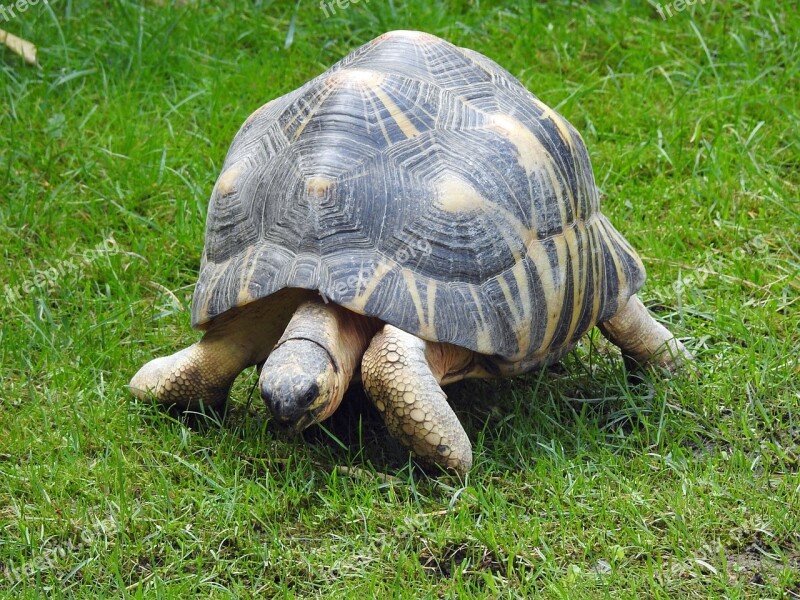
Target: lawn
<point x="588" y="482"/>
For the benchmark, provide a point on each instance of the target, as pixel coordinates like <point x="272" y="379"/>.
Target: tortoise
<point x="416" y="214"/>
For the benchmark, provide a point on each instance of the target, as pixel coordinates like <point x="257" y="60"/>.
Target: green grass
<point x="585" y="485"/>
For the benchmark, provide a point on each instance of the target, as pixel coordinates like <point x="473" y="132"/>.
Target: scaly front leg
<point x="401" y="374"/>
<point x="202" y="374"/>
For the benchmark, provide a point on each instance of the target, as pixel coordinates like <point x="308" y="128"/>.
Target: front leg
<point x="202" y="374"/>
<point x="194" y="378"/>
<point x="401" y="374"/>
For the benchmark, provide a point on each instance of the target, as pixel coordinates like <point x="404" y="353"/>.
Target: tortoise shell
<point x="422" y="184"/>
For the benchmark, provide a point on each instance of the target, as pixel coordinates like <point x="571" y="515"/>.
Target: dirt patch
<point x="464" y="557"/>
<point x="754" y="566"/>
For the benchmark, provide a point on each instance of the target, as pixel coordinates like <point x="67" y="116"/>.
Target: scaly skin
<point x="196" y="377"/>
<point x="644" y="339"/>
<point x="401" y="374"/>
<point x="202" y="374"/>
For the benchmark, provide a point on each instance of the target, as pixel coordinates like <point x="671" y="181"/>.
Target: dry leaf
<point x="19" y="46"/>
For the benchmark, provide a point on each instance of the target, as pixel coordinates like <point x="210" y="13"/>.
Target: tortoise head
<point x="299" y="384"/>
<point x="304" y="379"/>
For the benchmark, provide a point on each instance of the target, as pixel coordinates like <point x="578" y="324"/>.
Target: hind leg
<point x="643" y="339"/>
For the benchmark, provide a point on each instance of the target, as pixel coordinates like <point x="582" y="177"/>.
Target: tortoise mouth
<point x="295" y="417"/>
<point x="311" y="416"/>
<point x="305" y="421"/>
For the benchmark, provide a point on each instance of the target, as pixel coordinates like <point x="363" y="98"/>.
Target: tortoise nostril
<point x="308" y="397"/>
<point x="289" y="401"/>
